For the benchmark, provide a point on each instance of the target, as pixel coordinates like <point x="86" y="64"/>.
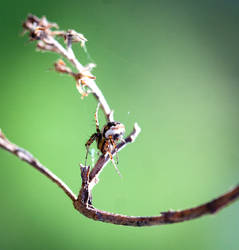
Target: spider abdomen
<point x="114" y="130"/>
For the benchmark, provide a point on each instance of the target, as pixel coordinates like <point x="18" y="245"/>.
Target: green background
<point x="172" y="66"/>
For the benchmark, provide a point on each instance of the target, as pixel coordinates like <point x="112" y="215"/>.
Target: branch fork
<point x="45" y="33"/>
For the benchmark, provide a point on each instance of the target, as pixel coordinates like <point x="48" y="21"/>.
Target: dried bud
<point x="47" y="47"/>
<point x="72" y="36"/>
<point x="61" y="67"/>
<point x="81" y="76"/>
<point x="81" y="90"/>
<point x="38" y="28"/>
<point x="85" y="74"/>
<point x="31" y="22"/>
<point x="46" y="24"/>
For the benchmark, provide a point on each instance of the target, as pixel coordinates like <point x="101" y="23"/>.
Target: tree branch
<point x="24" y="155"/>
<point x="41" y="31"/>
<point x="84" y="201"/>
<point x="84" y="206"/>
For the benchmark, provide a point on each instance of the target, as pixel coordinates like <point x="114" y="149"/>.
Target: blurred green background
<point x="172" y="66"/>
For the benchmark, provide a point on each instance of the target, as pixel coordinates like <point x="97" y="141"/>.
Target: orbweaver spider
<point x="106" y="139"/>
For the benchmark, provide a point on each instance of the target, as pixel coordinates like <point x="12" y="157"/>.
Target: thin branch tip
<point x="137" y="129"/>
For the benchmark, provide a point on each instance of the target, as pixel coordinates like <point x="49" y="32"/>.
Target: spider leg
<point x="111" y="157"/>
<point x="112" y="160"/>
<point x="96" y="118"/>
<point x="88" y="143"/>
<point x="115" y="148"/>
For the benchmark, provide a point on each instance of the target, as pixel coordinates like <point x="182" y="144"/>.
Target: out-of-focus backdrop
<point x="172" y="66"/>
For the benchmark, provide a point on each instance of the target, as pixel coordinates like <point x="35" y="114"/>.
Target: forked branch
<point x="41" y="30"/>
<point x="83" y="203"/>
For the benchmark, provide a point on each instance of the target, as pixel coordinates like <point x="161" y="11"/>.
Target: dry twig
<point x="41" y="30"/>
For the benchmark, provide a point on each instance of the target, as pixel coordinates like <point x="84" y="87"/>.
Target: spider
<point x="106" y="139"/>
